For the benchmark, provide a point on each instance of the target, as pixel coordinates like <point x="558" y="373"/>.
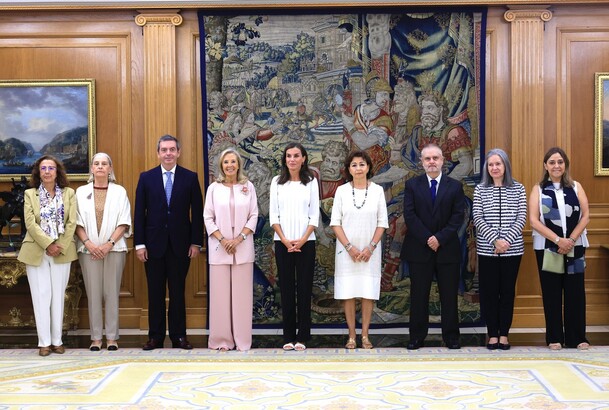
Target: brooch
<point x="244" y="190"/>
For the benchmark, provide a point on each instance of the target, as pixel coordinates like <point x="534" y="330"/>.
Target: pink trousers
<point x="231" y="298"/>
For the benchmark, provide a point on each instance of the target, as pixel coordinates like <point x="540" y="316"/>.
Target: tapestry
<point x="384" y="83"/>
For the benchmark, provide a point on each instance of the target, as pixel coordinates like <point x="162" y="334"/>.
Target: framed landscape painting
<point x="601" y="124"/>
<point x="46" y="117"/>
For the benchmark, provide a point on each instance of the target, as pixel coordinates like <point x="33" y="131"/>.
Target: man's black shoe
<point x="453" y="345"/>
<point x="153" y="344"/>
<point x="181" y="343"/>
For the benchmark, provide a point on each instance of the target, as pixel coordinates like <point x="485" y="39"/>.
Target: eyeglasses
<point x="50" y="169"/>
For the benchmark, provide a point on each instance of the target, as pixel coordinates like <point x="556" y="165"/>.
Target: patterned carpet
<point x="384" y="378"/>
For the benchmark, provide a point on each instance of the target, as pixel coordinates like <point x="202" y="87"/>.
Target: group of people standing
<point x="91" y="225"/>
<point x="558" y="214"/>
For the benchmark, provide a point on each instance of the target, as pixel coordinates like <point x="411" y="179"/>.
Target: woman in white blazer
<point x="104" y="221"/>
<point x="230" y="216"/>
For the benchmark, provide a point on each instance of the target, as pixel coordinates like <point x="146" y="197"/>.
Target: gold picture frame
<point x="39" y="117"/>
<point x="601" y="124"/>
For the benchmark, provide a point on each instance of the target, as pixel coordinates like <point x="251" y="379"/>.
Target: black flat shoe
<point x="505" y="346"/>
<point x="453" y="345"/>
<point x="414" y="344"/>
<point x="492" y="346"/>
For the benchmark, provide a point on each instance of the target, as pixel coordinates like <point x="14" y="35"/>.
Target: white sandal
<point x="288" y="346"/>
<point x="300" y="347"/>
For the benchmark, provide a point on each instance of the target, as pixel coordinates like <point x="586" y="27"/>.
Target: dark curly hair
<point x="61" y="179"/>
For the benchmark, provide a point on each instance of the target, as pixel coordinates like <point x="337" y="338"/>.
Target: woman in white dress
<point x="359" y="219"/>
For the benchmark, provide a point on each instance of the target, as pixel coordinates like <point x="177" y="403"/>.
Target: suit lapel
<point x="424" y="186"/>
<point x="159" y="182"/>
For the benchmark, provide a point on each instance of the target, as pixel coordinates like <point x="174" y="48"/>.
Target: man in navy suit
<point x="433" y="212"/>
<point x="168" y="233"/>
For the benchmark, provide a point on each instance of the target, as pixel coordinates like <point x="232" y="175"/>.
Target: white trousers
<point x="48" y="284"/>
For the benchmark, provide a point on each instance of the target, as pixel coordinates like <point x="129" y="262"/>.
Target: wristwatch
<point x="111" y="241"/>
<point x="557" y="239"/>
<point x="244" y="236"/>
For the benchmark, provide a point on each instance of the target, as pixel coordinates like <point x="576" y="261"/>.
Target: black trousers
<point x="497" y="291"/>
<point x="553" y="287"/>
<point x="166" y="272"/>
<point x="296" y="271"/>
<point x="421" y="276"/>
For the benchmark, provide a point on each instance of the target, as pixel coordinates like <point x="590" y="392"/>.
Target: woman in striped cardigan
<point x="500" y="212"/>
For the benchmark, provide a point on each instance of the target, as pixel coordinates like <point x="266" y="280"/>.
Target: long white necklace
<point x="353" y="194"/>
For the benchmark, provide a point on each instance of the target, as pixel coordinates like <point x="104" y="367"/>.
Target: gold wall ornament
<point x="601" y="124"/>
<point x="10" y="271"/>
<point x="15" y="319"/>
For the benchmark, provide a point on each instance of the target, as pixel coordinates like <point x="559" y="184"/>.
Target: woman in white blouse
<point x="104" y="221"/>
<point x="294" y="215"/>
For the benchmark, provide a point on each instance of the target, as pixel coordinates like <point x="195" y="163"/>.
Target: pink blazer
<point x="217" y="216"/>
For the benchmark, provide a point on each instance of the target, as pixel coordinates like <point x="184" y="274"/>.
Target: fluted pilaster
<point x="160" y="83"/>
<point x="527" y="90"/>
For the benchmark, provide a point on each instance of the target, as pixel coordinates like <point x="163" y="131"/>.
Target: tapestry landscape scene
<point x="384" y="83"/>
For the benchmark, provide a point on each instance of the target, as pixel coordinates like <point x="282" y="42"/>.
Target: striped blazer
<point x="499" y="213"/>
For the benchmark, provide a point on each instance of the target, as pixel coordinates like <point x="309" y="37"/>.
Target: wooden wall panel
<point x="190" y="130"/>
<point x="576" y="45"/>
<point x="109" y="46"/>
<point x="105" y="47"/>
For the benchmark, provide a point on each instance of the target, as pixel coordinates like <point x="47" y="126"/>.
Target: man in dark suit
<point x="433" y="212"/>
<point x="168" y="233"/>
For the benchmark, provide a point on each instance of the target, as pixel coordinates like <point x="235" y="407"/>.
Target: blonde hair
<point x="241" y="177"/>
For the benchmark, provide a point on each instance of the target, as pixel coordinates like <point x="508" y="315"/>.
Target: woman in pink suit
<point x="230" y="215"/>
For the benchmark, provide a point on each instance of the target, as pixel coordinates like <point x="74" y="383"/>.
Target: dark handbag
<point x="553" y="262"/>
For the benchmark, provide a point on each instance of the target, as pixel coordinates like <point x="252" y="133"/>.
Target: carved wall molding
<point x="162" y="17"/>
<point x="160" y="81"/>
<point x="527" y="89"/>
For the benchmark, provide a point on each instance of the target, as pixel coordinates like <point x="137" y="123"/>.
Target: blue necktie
<point x="168" y="186"/>
<point x="432" y="189"/>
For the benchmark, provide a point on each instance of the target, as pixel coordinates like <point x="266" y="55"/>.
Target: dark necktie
<point x="432" y="190"/>
<point x="168" y="186"/>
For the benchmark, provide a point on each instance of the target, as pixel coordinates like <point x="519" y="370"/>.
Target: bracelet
<point x="373" y="244"/>
<point x="557" y="239"/>
<point x="111" y="241"/>
<point x="85" y="241"/>
<point x="370" y="248"/>
<point x="348" y="246"/>
<point x="221" y="239"/>
<point x="572" y="240"/>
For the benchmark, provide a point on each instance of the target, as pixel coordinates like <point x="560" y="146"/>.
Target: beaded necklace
<point x="353" y="194"/>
